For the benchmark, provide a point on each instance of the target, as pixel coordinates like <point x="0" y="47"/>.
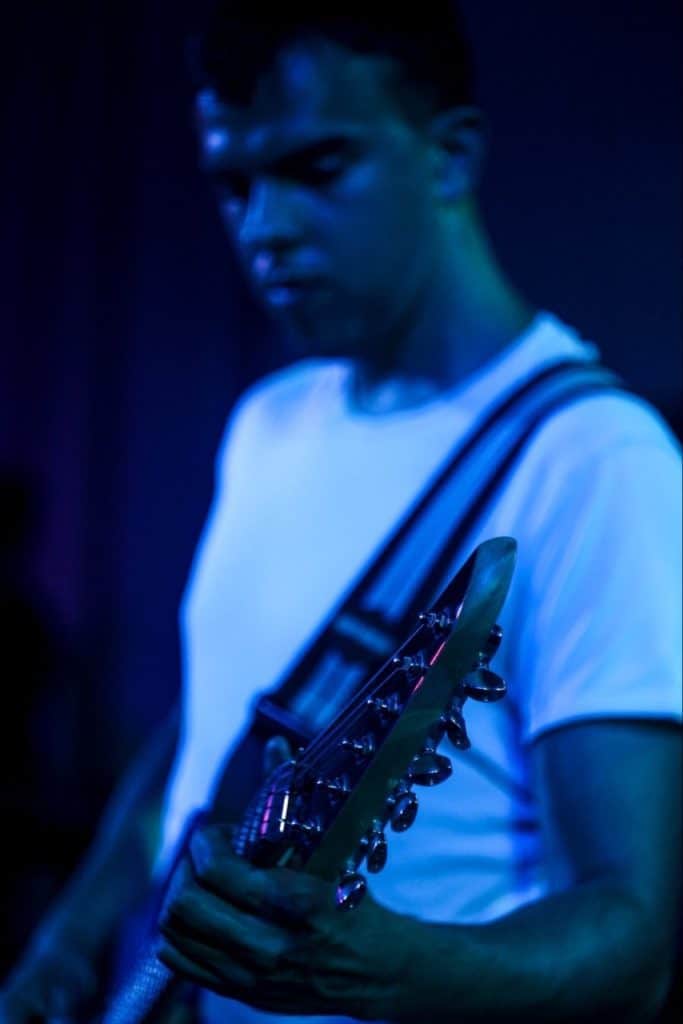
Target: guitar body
<point x="326" y="810"/>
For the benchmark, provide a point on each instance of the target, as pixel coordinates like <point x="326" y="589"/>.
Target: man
<point x="541" y="883"/>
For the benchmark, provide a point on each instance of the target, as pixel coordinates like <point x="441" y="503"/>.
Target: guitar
<point x="325" y="810"/>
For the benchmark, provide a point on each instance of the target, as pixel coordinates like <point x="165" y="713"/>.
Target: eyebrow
<point x="295" y="156"/>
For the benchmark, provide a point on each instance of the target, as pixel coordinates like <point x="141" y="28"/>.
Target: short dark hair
<point x="240" y="40"/>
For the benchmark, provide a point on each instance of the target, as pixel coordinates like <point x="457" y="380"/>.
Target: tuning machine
<point x="453" y="724"/>
<point x="351" y="888"/>
<point x="361" y="748"/>
<point x="428" y="768"/>
<point x="411" y="665"/>
<point x="484" y="685"/>
<point x="438" y="622"/>
<point x="386" y="709"/>
<point x="374" y="847"/>
<point x="335" y="788"/>
<point x="481" y="683"/>
<point x="491" y="644"/>
<point x="402" y="807"/>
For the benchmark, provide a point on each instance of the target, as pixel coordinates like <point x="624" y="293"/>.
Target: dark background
<point x="126" y="337"/>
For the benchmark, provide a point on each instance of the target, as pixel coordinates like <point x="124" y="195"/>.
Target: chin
<point x="325" y="342"/>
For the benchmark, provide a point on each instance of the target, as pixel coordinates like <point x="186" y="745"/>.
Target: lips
<point x="288" y="293"/>
<point x="281" y="290"/>
<point x="284" y="281"/>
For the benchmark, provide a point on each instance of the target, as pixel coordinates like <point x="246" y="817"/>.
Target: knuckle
<point x="286" y="894"/>
<point x="200" y="850"/>
<point x="203" y="858"/>
<point x="176" y="906"/>
<point x="255" y="888"/>
<point x="308" y="895"/>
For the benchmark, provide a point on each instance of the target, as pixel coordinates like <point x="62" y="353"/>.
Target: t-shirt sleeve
<point x="601" y="634"/>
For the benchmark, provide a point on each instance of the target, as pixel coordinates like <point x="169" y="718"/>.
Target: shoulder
<point x="601" y="433"/>
<point x="596" y="498"/>
<point x="280" y="396"/>
<point x="601" y="422"/>
<point x="275" y="403"/>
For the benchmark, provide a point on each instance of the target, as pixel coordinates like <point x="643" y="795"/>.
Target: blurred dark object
<point x="45" y="805"/>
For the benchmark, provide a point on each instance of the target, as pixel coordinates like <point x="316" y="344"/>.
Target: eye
<point x="231" y="185"/>
<point x="322" y="170"/>
<point x="327" y="167"/>
<point x="318" y="165"/>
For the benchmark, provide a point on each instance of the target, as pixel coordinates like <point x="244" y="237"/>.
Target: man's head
<point x="338" y="146"/>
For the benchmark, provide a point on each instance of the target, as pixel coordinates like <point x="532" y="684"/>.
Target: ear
<point x="459" y="142"/>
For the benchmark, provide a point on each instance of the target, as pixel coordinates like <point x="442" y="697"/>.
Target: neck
<point x="466" y="313"/>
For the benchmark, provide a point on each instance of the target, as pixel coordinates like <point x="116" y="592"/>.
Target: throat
<point x="399" y="388"/>
<point x="391" y="393"/>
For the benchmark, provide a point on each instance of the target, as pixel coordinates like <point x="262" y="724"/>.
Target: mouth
<point x="286" y="293"/>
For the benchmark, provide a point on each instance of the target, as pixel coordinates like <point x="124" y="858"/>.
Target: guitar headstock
<point x="326" y="810"/>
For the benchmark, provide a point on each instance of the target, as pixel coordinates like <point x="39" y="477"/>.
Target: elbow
<point x="655" y="994"/>
<point x="650" y="970"/>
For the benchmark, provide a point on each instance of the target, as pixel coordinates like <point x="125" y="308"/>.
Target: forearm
<point x="115" y="871"/>
<point x="106" y="883"/>
<point x="581" y="955"/>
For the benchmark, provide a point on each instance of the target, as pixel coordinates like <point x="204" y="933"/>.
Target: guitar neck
<point x="150" y="987"/>
<point x="325" y="810"/>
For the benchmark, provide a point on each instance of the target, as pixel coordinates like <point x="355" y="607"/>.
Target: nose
<point x="269" y="222"/>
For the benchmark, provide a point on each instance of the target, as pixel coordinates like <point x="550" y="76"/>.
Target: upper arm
<point x="609" y="793"/>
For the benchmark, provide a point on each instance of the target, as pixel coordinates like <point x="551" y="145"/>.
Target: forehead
<point x="310" y="90"/>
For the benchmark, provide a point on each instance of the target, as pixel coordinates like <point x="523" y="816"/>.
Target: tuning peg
<point x="402" y="807"/>
<point x="309" y="828"/>
<point x="375" y="848"/>
<point x="412" y="666"/>
<point x="363" y="747"/>
<point x="385" y="709"/>
<point x="429" y="768"/>
<point x="351" y="889"/>
<point x="439" y="622"/>
<point x="491" y="644"/>
<point x="453" y="722"/>
<point x="484" y="685"/>
<point x="336" y="787"/>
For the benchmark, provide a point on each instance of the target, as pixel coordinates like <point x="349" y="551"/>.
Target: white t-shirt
<point x="306" y="492"/>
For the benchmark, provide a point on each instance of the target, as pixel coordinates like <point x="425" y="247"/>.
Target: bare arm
<point x="602" y="945"/>
<point x="111" y="879"/>
<point x="599" y="947"/>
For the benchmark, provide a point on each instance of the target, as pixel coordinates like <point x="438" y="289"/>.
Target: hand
<point x="55" y="983"/>
<point x="275" y="939"/>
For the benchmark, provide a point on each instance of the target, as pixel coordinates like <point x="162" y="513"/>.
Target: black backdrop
<point x="126" y="336"/>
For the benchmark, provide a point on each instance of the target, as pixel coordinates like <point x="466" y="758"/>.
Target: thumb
<point x="276" y="751"/>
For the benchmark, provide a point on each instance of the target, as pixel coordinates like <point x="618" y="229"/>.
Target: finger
<point x="276" y="751"/>
<point x="217" y="868"/>
<point x="172" y="958"/>
<point x="282" y="895"/>
<point x="285" y="991"/>
<point x="216" y="960"/>
<point x="293" y="898"/>
<point x="195" y="913"/>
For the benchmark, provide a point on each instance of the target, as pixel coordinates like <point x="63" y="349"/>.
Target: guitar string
<point x="377" y="680"/>
<point x="343" y="723"/>
<point x="348" y="715"/>
<point x="158" y="982"/>
<point x="344" y="720"/>
<point x="322" y="743"/>
<point x="312" y="754"/>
